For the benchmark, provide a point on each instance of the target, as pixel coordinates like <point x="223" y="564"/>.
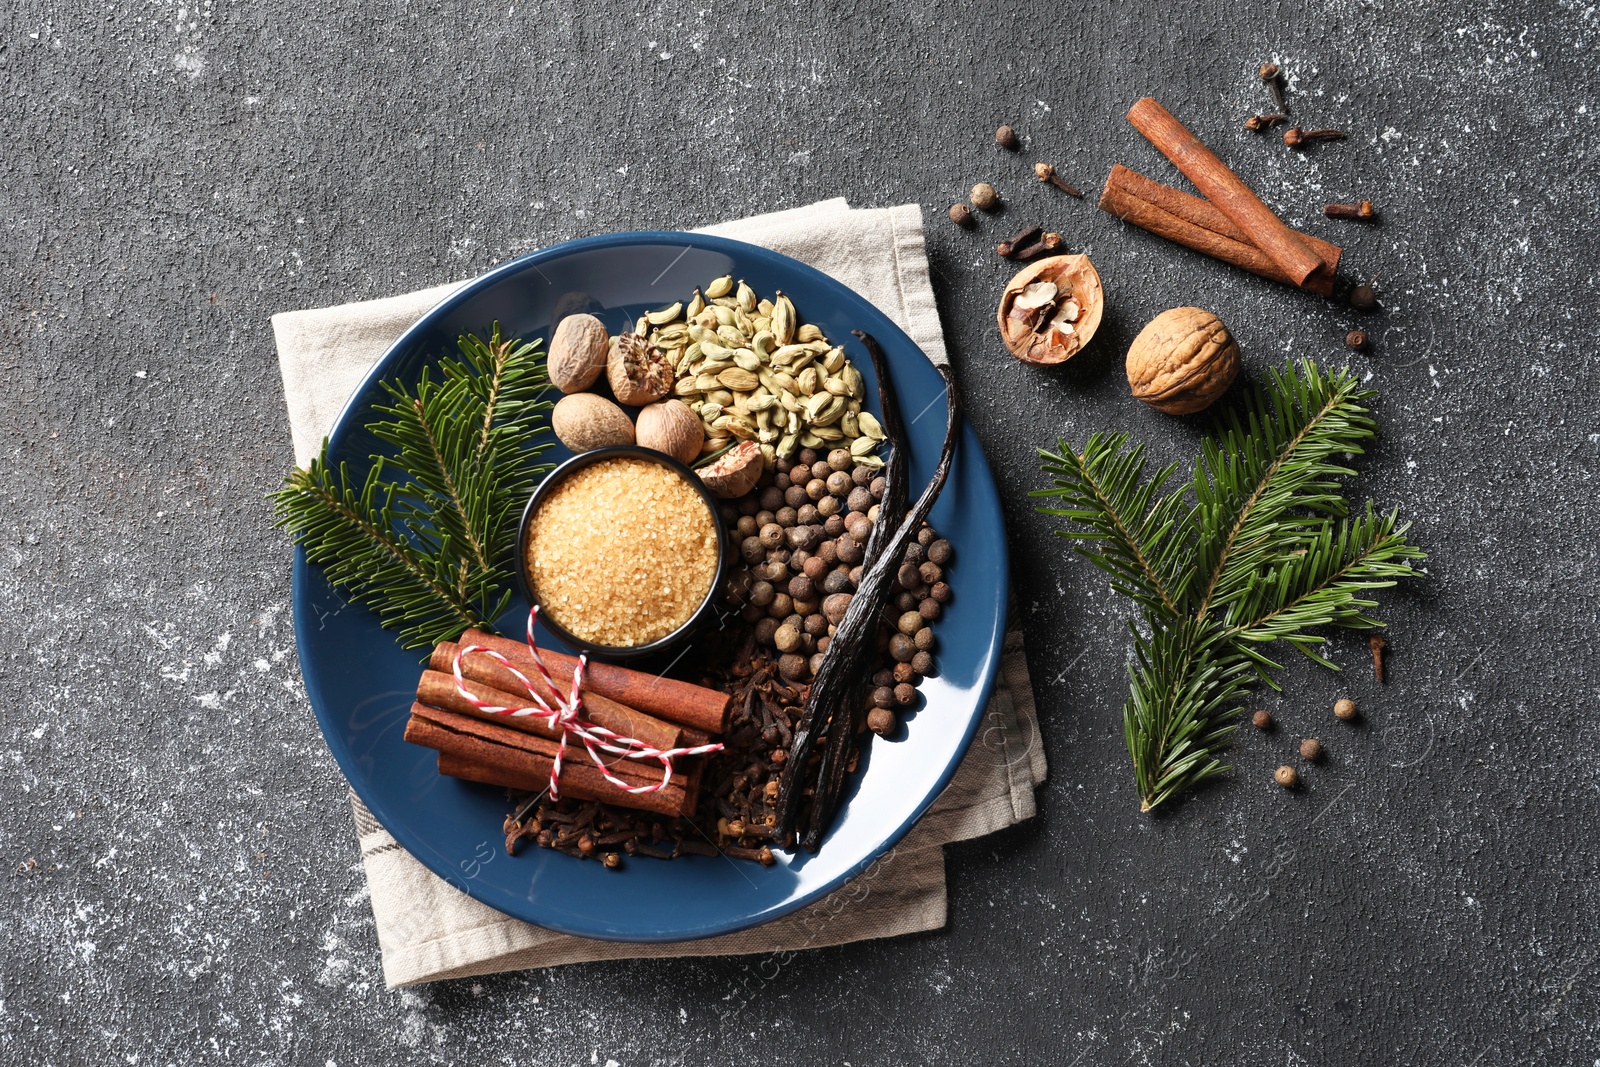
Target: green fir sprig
<point x="426" y="536"/>
<point x="1258" y="547"/>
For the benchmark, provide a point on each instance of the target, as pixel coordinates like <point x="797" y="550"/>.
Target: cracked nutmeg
<point x="1051" y="309"/>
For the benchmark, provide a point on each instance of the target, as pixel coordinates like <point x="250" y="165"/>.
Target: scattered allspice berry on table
<point x="1356" y="339"/>
<point x="1286" y="776"/>
<point x="983" y="197"/>
<point x="1262" y="719"/>
<point x="1311" y="749"/>
<point x="1006" y="138"/>
<point x="1344" y="709"/>
<point x="1364" y="297"/>
<point x="961" y="214"/>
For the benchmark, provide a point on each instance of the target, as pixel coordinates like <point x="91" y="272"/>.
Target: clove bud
<point x="1047" y="173"/>
<point x="1364" y="211"/>
<point x="1295" y="137"/>
<point x="1264" y="122"/>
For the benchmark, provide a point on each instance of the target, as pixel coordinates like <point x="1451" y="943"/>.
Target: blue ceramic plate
<point x="361" y="682"/>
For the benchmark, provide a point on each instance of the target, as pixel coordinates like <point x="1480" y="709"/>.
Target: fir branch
<point x="353" y="535"/>
<point x="1265" y="553"/>
<point x="1143" y="545"/>
<point x="1267" y="478"/>
<point x="435" y="556"/>
<point x="1185" y="683"/>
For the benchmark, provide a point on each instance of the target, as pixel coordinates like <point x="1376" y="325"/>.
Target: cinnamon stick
<point x="600" y="710"/>
<point x="1225" y="189"/>
<point x="472" y="749"/>
<point x="1194" y="223"/>
<point x="496" y="733"/>
<point x="683" y="703"/>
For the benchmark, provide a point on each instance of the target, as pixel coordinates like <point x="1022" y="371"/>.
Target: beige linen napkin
<point x="427" y="929"/>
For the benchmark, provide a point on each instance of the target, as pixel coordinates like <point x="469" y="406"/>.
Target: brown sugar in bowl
<point x="623" y="550"/>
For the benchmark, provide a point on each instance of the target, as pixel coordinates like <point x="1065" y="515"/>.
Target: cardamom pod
<point x="762" y="344"/>
<point x="783" y="323"/>
<point x="665" y="315"/>
<point x="816" y="404"/>
<point x="863" y="446"/>
<point x="829" y="412"/>
<point x="855" y="387"/>
<point x="686" y="387"/>
<point x="747" y="360"/>
<point x="721" y="396"/>
<point x="848" y="423"/>
<point x="810" y="381"/>
<point x="790" y="402"/>
<point x="697" y="304"/>
<point x="834" y="361"/>
<point x="721" y="287"/>
<point x="836" y="386"/>
<point x="764" y="307"/>
<point x="872" y="463"/>
<point x="746" y="297"/>
<point x="869" y="425"/>
<point x="738" y="378"/>
<point x="762" y="403"/>
<point x="726" y="303"/>
<point x="810" y="440"/>
<point x="827" y="433"/>
<point x="769" y="454"/>
<point x="785" y="382"/>
<point x="787" y="445"/>
<point x="808" y="332"/>
<point x="787" y="353"/>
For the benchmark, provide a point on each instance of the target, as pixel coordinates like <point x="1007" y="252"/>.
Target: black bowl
<point x="707" y="608"/>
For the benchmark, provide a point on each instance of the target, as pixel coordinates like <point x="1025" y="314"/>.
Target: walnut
<point x="577" y="353"/>
<point x="584" y="421"/>
<point x="1051" y="309"/>
<point x="1182" y="361"/>
<point x="638" y="373"/>
<point x="736" y="472"/>
<point x="669" y="426"/>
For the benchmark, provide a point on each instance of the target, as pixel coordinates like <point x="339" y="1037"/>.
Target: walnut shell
<point x="737" y="472"/>
<point x="637" y="372"/>
<point x="1182" y="361"/>
<point x="1051" y="309"/>
<point x="669" y="426"/>
<point x="584" y="421"/>
<point x="577" y="353"/>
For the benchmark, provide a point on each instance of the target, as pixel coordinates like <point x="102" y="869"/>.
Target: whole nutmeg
<point x="983" y="197"/>
<point x="669" y="426"/>
<point x="584" y="421"/>
<point x="637" y="372"/>
<point x="1051" y="309"/>
<point x="578" y="351"/>
<point x="734" y="473"/>
<point x="1182" y="361"/>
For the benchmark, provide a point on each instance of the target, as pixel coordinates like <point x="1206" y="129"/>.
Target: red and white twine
<point x="567" y="716"/>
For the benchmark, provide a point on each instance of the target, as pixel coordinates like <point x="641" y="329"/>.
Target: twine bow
<point x="567" y="715"/>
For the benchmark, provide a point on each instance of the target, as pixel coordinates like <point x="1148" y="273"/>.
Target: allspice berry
<point x="1006" y="138"/>
<point x="1364" y="297"/>
<point x="983" y="197"/>
<point x="882" y="721"/>
<point x="1311" y="749"/>
<point x="1286" y="776"/>
<point x="1262" y="719"/>
<point x="1344" y="709"/>
<point x="961" y="214"/>
<point x="1356" y="339"/>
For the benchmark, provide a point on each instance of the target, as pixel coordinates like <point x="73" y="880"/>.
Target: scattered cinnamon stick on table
<point x="1199" y="225"/>
<point x="678" y="702"/>
<point x="1226" y="191"/>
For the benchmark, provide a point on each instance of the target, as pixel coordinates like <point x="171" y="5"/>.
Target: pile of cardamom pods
<point x="752" y="372"/>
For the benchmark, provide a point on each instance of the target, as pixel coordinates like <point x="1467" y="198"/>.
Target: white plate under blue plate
<point x="361" y="682"/>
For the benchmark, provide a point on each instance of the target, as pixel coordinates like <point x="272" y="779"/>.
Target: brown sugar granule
<point x="622" y="552"/>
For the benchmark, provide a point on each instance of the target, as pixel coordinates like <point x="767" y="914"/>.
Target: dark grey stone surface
<point x="181" y="880"/>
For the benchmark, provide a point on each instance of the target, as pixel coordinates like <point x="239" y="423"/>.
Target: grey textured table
<point x="182" y="880"/>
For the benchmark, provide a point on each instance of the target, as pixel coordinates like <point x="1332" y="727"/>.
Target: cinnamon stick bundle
<point x="1199" y="225"/>
<point x="1226" y="190"/>
<point x="600" y="710"/>
<point x="476" y="750"/>
<point x="678" y="702"/>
